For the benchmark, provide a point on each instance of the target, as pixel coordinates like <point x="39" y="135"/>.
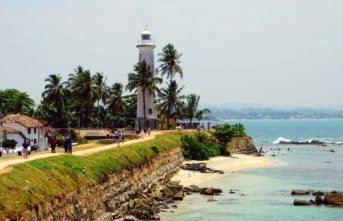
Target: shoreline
<point x="229" y="165"/>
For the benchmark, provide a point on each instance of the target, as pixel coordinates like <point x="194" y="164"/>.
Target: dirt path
<point x="6" y="166"/>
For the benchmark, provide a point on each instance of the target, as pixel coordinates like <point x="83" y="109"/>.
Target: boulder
<point x="318" y="193"/>
<point x="300" y="192"/>
<point x="319" y="200"/>
<point x="207" y="191"/>
<point x="302" y="203"/>
<point x="175" y="187"/>
<point x="216" y="190"/>
<point x="195" y="189"/>
<point x="179" y="196"/>
<point x="167" y="192"/>
<point x="334" y="198"/>
<point x="129" y="218"/>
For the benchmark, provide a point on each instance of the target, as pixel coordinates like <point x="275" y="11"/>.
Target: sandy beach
<point x="227" y="164"/>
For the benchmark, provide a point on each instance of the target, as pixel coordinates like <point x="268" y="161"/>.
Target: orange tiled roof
<point x="22" y="119"/>
<point x="9" y="130"/>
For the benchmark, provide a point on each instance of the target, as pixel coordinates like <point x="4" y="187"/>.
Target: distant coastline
<point x="270" y="113"/>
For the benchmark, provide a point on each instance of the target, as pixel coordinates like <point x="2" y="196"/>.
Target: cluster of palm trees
<point x="85" y="100"/>
<point x="171" y="102"/>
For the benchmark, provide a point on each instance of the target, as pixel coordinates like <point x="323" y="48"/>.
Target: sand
<point x="227" y="164"/>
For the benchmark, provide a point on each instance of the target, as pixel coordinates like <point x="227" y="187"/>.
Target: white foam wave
<point x="281" y="139"/>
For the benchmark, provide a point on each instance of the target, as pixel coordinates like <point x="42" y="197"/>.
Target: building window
<point x="29" y="130"/>
<point x="150" y="111"/>
<point x="145" y="37"/>
<point x="34" y="130"/>
<point x="35" y="141"/>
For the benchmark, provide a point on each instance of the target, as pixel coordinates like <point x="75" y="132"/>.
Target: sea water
<point x="263" y="194"/>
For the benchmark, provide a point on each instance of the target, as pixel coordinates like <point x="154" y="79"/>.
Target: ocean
<point x="263" y="194"/>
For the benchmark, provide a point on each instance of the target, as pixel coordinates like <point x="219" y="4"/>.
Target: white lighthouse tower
<point x="146" y="48"/>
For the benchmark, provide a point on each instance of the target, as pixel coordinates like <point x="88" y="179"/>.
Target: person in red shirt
<point x="53" y="143"/>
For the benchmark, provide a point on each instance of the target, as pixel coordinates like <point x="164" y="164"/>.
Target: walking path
<point x="6" y="165"/>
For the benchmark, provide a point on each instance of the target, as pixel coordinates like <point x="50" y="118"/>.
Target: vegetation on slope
<point x="29" y="184"/>
<point x="203" y="145"/>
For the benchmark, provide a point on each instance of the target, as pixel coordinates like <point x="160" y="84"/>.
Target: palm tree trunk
<point x="164" y="117"/>
<point x="168" y="122"/>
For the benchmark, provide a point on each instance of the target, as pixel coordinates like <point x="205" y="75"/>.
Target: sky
<point x="275" y="52"/>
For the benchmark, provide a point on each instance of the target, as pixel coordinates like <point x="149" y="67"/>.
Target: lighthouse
<point x="146" y="48"/>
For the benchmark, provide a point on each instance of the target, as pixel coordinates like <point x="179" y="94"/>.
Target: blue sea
<point x="263" y="194"/>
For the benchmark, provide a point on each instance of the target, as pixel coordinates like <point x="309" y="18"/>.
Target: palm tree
<point x="116" y="103"/>
<point x="55" y="93"/>
<point x="101" y="87"/>
<point x="171" y="100"/>
<point x="83" y="87"/>
<point x="143" y="79"/>
<point x="170" y="62"/>
<point x="191" y="108"/>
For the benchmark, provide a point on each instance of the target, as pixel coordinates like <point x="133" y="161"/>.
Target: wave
<point x="282" y="140"/>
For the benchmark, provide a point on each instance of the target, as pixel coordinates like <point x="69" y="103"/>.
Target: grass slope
<point x="32" y="183"/>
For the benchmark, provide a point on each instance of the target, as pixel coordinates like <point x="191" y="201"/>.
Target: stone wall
<point x="102" y="201"/>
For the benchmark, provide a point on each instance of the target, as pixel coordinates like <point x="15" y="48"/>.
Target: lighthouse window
<point x="145" y="37"/>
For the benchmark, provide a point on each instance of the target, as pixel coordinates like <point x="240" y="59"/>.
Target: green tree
<point x="143" y="79"/>
<point x="191" y="109"/>
<point x="102" y="89"/>
<point x="55" y="94"/>
<point x="225" y="132"/>
<point x="116" y="103"/>
<point x="170" y="62"/>
<point x="13" y="101"/>
<point x="83" y="87"/>
<point x="171" y="100"/>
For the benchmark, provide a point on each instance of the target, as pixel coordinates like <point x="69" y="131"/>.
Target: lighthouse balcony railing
<point x="146" y="42"/>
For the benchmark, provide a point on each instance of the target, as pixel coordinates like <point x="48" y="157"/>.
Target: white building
<point x="19" y="127"/>
<point x="146" y="48"/>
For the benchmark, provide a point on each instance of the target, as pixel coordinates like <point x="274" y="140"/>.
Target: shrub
<point x="80" y="140"/>
<point x="225" y="132"/>
<point x="193" y="149"/>
<point x="9" y="143"/>
<point x="155" y="149"/>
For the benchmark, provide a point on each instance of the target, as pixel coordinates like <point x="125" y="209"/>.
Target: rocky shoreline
<point x="332" y="198"/>
<point x="148" y="206"/>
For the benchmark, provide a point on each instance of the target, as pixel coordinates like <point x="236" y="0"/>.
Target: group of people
<point x="141" y="134"/>
<point x="67" y="144"/>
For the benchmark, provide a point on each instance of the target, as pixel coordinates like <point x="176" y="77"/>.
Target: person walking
<point x="53" y="143"/>
<point x="70" y="146"/>
<point x="118" y="138"/>
<point x="65" y="145"/>
<point x="25" y="151"/>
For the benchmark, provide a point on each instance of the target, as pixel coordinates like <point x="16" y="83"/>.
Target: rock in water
<point x="334" y="198"/>
<point x="207" y="191"/>
<point x="318" y="193"/>
<point x="300" y="192"/>
<point x="302" y="203"/>
<point x="319" y="200"/>
<point x="179" y="196"/>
